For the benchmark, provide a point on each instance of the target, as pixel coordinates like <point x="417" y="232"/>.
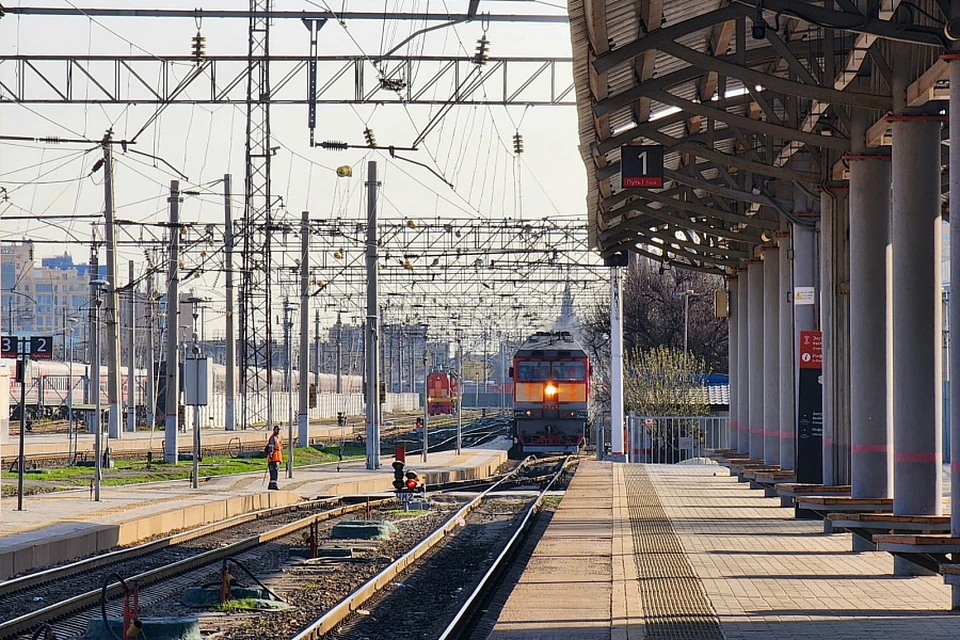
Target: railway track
<point x="164" y="567"/>
<point x="451" y="583"/>
<point x="62" y="598"/>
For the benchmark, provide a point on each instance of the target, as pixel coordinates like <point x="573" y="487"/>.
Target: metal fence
<point x="670" y="439"/>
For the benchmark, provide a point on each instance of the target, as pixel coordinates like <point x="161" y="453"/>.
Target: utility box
<point x="197" y="381"/>
<point x="721" y="306"/>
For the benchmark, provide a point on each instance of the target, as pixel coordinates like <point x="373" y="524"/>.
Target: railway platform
<point x="676" y="551"/>
<point x="59" y="526"/>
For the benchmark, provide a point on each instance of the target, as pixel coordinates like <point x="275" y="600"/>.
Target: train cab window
<point x="533" y="371"/>
<point x="568" y="371"/>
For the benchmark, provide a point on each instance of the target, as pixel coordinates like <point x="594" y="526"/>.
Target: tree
<point x="665" y="384"/>
<point x="653" y="315"/>
<point x="663" y="381"/>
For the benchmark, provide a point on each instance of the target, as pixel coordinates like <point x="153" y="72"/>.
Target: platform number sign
<point x="641" y="166"/>
<point x="8" y="347"/>
<point x="41" y="347"/>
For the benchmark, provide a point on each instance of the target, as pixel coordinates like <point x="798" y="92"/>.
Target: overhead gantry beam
<point x="152" y="80"/>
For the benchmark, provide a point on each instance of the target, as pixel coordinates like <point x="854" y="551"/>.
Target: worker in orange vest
<point x="274" y="451"/>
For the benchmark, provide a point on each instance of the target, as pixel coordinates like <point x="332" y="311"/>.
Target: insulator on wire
<point x="481" y="57"/>
<point x="369" y="137"/>
<point x="334" y="145"/>
<point x="517" y="143"/>
<point x="199" y="48"/>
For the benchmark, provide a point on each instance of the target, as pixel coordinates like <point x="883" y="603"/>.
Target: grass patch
<point x="136" y="471"/>
<point x="401" y="513"/>
<point x="234" y="606"/>
<point x="552" y="501"/>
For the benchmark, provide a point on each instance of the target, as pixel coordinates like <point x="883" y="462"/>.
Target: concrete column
<point x="733" y="318"/>
<point x="834" y="314"/>
<point x="871" y="431"/>
<point x="771" y="355"/>
<point x="917" y="318"/>
<point x="954" y="310"/>
<point x="787" y="364"/>
<point x="743" y="358"/>
<point x="755" y="328"/>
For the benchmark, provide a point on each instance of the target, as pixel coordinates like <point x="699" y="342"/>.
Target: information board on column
<point x="810" y="408"/>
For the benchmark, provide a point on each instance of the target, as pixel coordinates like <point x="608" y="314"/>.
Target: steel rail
<point x="15" y="585"/>
<point x="28" y="622"/>
<point x="487" y="582"/>
<point x="361" y="594"/>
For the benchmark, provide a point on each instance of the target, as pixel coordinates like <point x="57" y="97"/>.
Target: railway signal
<point x="399" y="484"/>
<point x="412" y="481"/>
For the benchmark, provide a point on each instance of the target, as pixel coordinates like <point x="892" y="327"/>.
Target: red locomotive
<point x="551" y="389"/>
<point x="443" y="393"/>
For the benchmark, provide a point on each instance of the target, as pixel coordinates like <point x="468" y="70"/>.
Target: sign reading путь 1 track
<point x="641" y="166"/>
<point x="810" y="409"/>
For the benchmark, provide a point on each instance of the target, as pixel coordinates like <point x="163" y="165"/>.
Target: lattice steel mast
<point x="256" y="349"/>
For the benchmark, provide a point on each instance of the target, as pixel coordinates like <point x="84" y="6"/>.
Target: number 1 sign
<point x="641" y="166"/>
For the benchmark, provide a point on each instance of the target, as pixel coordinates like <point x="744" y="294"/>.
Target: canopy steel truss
<point x="744" y="96"/>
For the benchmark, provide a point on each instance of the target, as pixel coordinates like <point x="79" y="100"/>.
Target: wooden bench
<point x="768" y="479"/>
<point x="824" y="505"/>
<point x="868" y="525"/>
<point x="788" y="491"/>
<point x="929" y="550"/>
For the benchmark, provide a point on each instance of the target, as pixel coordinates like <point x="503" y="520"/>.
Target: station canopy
<point x="751" y="103"/>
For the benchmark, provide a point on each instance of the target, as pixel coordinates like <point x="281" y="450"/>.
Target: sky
<point x="471" y="148"/>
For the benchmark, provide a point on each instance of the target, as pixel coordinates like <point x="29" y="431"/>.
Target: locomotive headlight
<point x="550" y="390"/>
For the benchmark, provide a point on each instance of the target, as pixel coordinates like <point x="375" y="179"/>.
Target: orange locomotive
<point x="443" y="393"/>
<point x="551" y="389"/>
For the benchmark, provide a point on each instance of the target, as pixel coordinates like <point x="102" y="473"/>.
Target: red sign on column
<point x="811" y="350"/>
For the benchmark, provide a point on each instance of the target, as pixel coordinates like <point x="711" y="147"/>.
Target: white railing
<point x="669" y="439"/>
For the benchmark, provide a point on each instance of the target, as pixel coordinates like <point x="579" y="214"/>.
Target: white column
<point x="616" y="363"/>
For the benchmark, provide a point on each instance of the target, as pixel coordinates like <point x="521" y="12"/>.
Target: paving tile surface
<point x="770" y="576"/>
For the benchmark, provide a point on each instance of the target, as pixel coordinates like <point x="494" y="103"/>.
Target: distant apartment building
<point x="39" y="297"/>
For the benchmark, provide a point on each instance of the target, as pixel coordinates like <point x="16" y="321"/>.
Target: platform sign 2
<point x="41" y="347"/>
<point x="810" y="408"/>
<point x="641" y="166"/>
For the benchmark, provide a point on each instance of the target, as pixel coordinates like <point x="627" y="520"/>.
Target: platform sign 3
<point x="9" y="347"/>
<point x="41" y="347"/>
<point x="641" y="166"/>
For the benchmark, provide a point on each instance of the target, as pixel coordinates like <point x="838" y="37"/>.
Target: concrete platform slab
<point x="763" y="573"/>
<point x="56" y="527"/>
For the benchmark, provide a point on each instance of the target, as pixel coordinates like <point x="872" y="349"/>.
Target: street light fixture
<point x="98" y="288"/>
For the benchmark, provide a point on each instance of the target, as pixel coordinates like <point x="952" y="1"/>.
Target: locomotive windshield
<point x="557" y="371"/>
<point x="533" y="371"/>
<point x="568" y="371"/>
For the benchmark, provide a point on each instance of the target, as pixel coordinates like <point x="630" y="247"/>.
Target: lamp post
<point x="71" y="436"/>
<point x="686" y="317"/>
<point x="426" y="403"/>
<point x="288" y="308"/>
<point x="459" y="393"/>
<point x="98" y="288"/>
